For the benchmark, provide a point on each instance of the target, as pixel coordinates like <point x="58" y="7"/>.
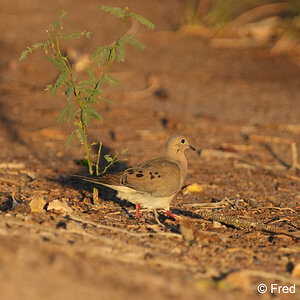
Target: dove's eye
<point x="183" y="141"/>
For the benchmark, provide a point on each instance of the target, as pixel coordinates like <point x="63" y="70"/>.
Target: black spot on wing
<point x="139" y="175"/>
<point x="130" y="171"/>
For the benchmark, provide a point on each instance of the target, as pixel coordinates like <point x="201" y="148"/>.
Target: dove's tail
<point x="107" y="180"/>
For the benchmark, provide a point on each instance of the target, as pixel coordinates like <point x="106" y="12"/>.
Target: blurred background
<point x="229" y="61"/>
<point x="217" y="71"/>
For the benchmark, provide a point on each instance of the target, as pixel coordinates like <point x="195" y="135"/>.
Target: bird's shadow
<point x="85" y="187"/>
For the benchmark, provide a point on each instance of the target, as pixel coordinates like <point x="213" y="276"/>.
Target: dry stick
<point x="244" y="224"/>
<point x="270" y="139"/>
<point x="275" y="207"/>
<point x="98" y="158"/>
<point x="295" y="165"/>
<point x="208" y="153"/>
<point x="295" y="178"/>
<point x="12" y="166"/>
<point x="255" y="13"/>
<point x="228" y="155"/>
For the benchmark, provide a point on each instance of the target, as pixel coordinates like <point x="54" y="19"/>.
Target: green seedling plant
<point x="81" y="96"/>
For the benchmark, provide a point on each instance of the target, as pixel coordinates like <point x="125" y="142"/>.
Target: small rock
<point x="57" y="205"/>
<point x="296" y="271"/>
<point x="187" y="230"/>
<point x="284" y="45"/>
<point x="238" y="280"/>
<point x="37" y="205"/>
<point x="217" y="224"/>
<point x="193" y="188"/>
<point x="262" y="31"/>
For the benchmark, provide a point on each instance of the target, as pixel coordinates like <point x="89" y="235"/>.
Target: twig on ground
<point x="288" y="176"/>
<point x="244" y="224"/>
<point x="246" y="163"/>
<point x="295" y="165"/>
<point x="12" y="166"/>
<point x="270" y="139"/>
<point x="208" y="153"/>
<point x="205" y="205"/>
<point x="274" y="207"/>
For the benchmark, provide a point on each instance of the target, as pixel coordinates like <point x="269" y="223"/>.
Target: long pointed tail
<point x="108" y="180"/>
<point x="96" y="180"/>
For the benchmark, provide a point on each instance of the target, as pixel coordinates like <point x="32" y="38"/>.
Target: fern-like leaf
<point x="59" y="82"/>
<point x="93" y="113"/>
<point x="69" y="91"/>
<point x="100" y="55"/>
<point x="75" y="35"/>
<point x="130" y="39"/>
<point x="58" y="63"/>
<point x="65" y="113"/>
<point x="108" y="158"/>
<point x="121" y="50"/>
<point x="107" y="100"/>
<point x="116" y="11"/>
<point x="111" y="80"/>
<point x="62" y="16"/>
<point x="142" y="20"/>
<point x="91" y="74"/>
<point x="25" y="53"/>
<point x="71" y="137"/>
<point x="81" y="135"/>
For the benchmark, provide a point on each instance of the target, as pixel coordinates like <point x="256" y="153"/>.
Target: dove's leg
<point x="170" y="214"/>
<point x="156" y="218"/>
<point x="137" y="208"/>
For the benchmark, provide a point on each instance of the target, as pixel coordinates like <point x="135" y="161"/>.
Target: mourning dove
<point x="154" y="183"/>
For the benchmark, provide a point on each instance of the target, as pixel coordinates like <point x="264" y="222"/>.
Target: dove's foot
<point x="170" y="214"/>
<point x="137" y="208"/>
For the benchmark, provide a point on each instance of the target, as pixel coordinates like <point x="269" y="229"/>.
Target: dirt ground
<point x="240" y="107"/>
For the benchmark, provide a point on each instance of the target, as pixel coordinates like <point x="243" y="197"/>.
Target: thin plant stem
<point x="98" y="158"/>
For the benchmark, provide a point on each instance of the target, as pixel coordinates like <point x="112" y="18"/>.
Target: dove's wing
<point x="159" y="177"/>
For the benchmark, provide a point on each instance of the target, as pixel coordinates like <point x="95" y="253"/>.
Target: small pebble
<point x="217" y="224"/>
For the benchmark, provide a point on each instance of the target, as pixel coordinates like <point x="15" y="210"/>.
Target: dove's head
<point x="177" y="145"/>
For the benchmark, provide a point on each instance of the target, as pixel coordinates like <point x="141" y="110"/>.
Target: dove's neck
<point x="180" y="159"/>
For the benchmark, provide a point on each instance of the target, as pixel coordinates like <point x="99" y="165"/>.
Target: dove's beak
<point x="192" y="147"/>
